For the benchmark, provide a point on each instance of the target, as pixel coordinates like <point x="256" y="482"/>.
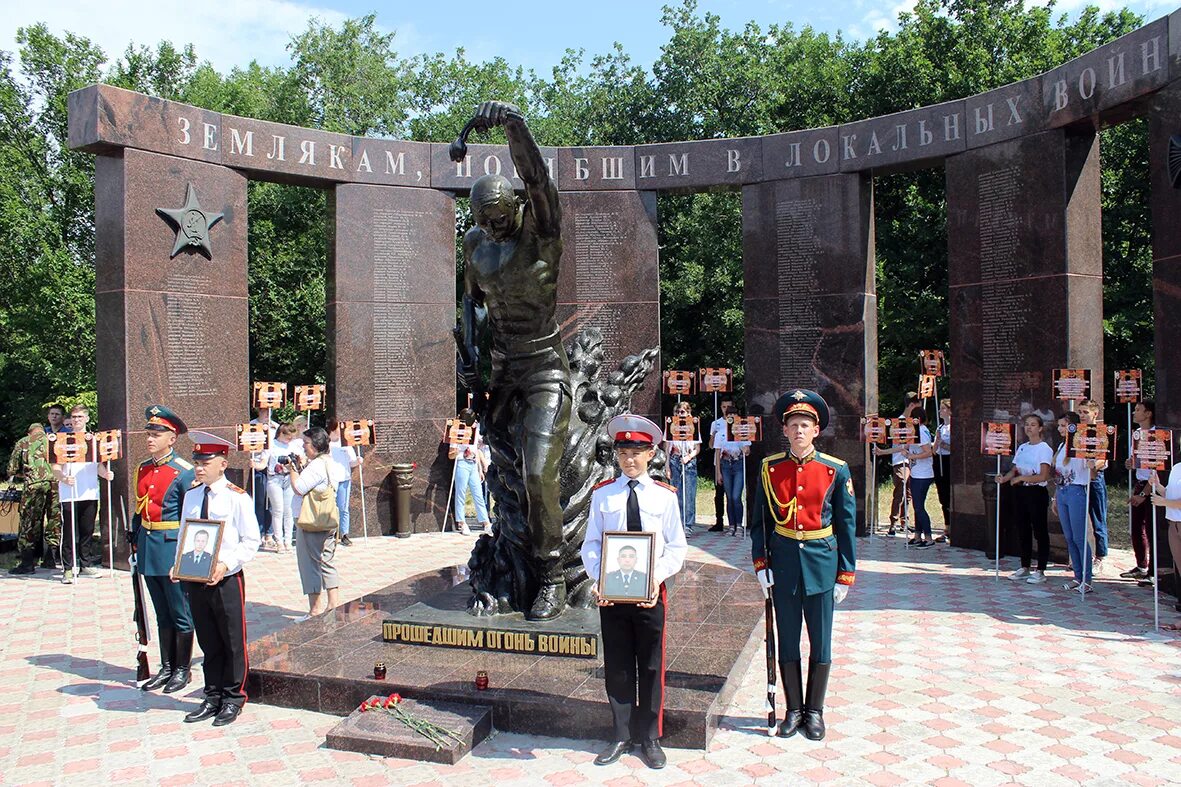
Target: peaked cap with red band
<point x="206" y="446"/>
<point x="801" y="401"/>
<point x="633" y="431"/>
<point x="160" y="419"/>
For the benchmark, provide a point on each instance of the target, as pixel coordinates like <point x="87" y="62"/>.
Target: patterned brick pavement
<point x="942" y="675"/>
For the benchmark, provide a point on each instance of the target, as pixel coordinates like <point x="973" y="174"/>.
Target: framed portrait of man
<point x="626" y="568"/>
<point x="200" y="541"/>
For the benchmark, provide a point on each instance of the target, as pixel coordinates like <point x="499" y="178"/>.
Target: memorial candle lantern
<point x="379" y="670"/>
<point x="481" y="680"/>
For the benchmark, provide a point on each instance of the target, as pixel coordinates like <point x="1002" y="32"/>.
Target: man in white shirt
<point x="730" y="464"/>
<point x="219" y="606"/>
<point x="633" y="634"/>
<point x="79" y="495"/>
<point x="258" y="466"/>
<point x="344" y="459"/>
<point x="900" y="471"/>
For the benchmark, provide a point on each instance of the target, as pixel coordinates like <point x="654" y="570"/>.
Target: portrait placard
<point x="874" y="429"/>
<point x="270" y="395"/>
<point x="1091" y="441"/>
<point x="1152" y="449"/>
<point x="903" y="431"/>
<point x="197" y="549"/>
<point x="744" y="427"/>
<point x="1129" y="386"/>
<point x="716" y="380"/>
<point x="459" y="433"/>
<point x="997" y="438"/>
<point x="309" y="397"/>
<point x="356" y="433"/>
<point x="66" y="448"/>
<point x="254" y="437"/>
<point x="1072" y="385"/>
<point x="678" y="383"/>
<point x="108" y="445"/>
<point x="626" y="571"/>
<point x="926" y="386"/>
<point x="682" y="428"/>
<point x="931" y="362"/>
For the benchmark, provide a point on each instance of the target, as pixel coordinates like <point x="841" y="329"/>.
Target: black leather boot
<point x="813" y="723"/>
<point x="793" y="687"/>
<point x="167" y="660"/>
<point x="180" y="665"/>
<point x="550" y="601"/>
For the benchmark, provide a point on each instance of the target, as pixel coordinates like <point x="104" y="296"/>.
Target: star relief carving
<point x="192" y="224"/>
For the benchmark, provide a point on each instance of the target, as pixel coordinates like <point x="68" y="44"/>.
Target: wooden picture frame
<point x="612" y="586"/>
<point x="184" y="567"/>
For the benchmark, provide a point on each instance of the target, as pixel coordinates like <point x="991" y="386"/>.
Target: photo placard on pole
<point x="270" y="395"/>
<point x="874" y="429"/>
<point x="1091" y="441"/>
<point x="458" y="433"/>
<point x="682" y="428"/>
<point x="309" y="397"/>
<point x="902" y="431"/>
<point x="1152" y="449"/>
<point x="1129" y="386"/>
<point x="744" y="427"/>
<point x="108" y="445"/>
<point x="66" y="448"/>
<point x="1072" y="385"/>
<point x="719" y="380"/>
<point x="254" y="437"/>
<point x="997" y="438"/>
<point x="679" y="383"/>
<point x="931" y="362"/>
<point x="927" y="383"/>
<point x="356" y="433"/>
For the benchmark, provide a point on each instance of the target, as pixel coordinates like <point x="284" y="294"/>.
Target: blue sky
<point x="237" y="32"/>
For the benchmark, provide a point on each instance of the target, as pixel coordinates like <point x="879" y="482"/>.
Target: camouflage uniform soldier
<point x="30" y="463"/>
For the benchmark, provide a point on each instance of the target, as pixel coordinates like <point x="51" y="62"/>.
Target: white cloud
<point x="225" y="33"/>
<point x="882" y="16"/>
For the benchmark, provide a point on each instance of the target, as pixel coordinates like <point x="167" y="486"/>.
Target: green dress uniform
<point x="160" y="486"/>
<point x="803" y="526"/>
<point x="38" y="519"/>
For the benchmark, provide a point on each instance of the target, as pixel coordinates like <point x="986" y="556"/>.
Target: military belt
<point x="804" y="535"/>
<point x="146" y="525"/>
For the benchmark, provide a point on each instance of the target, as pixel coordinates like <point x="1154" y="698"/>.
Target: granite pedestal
<point x="714" y="629"/>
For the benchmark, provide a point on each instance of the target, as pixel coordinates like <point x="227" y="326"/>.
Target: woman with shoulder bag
<point x="318" y="521"/>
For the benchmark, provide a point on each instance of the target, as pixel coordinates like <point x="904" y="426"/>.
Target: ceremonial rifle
<point x="143" y="671"/>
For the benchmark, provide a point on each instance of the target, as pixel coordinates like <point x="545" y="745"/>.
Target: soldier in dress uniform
<point x="805" y="516"/>
<point x="30" y="464"/>
<point x="160" y="484"/>
<point x="633" y="634"/>
<point x="219" y="605"/>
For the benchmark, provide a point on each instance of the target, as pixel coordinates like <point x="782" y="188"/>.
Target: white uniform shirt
<point x="1071" y="471"/>
<point x="85" y="475"/>
<point x="731" y="449"/>
<point x="343" y="458"/>
<point x="944" y="440"/>
<point x="659" y="514"/>
<point x="229" y="504"/>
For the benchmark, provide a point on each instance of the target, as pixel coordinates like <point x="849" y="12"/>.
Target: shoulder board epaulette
<point x="147" y="462"/>
<point x="602" y="484"/>
<point x="182" y="463"/>
<point x="774" y="457"/>
<point x="235" y="488"/>
<point x="195" y="484"/>
<point x="829" y="459"/>
<point x="669" y="487"/>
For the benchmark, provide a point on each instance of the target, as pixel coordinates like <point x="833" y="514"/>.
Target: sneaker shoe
<point x="1097" y="566"/>
<point x="1135" y="573"/>
<point x="941" y="540"/>
<point x="88" y="571"/>
<point x="1036" y="577"/>
<point x="892" y="532"/>
<point x="23" y="568"/>
<point x="1071" y="585"/>
<point x="67" y="577"/>
<point x="1086" y="588"/>
<point x="1147" y="582"/>
<point x="924" y="545"/>
<point x="914" y="542"/>
<point x="346" y="541"/>
<point x="1021" y="573"/>
<point x="716" y="529"/>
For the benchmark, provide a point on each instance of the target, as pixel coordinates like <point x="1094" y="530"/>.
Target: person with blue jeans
<point x="1070" y="504"/>
<point x="731" y="470"/>
<point x="682" y="465"/>
<point x="469" y="477"/>
<point x="258" y="463"/>
<point x="1088" y="412"/>
<point x="343" y="458"/>
<point x="920" y="456"/>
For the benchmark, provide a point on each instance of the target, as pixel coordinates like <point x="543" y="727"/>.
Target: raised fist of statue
<point x="494" y="113"/>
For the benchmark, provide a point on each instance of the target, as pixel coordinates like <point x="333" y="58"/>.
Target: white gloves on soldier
<point x="766" y="581"/>
<point x="839" y="592"/>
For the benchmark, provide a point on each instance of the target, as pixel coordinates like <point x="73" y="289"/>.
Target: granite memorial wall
<point x="1023" y="224"/>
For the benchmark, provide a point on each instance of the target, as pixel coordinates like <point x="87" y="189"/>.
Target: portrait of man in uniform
<point x="627" y="566"/>
<point x="195" y="563"/>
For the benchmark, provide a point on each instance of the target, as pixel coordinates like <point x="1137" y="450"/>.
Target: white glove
<point x="766" y="581"/>
<point x="839" y="592"/>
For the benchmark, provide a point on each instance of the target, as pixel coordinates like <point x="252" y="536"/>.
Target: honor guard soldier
<point x="805" y="516"/>
<point x="160" y="485"/>
<point x="633" y="634"/>
<point x="219" y="605"/>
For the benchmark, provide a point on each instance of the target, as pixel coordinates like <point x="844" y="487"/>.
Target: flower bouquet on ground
<point x="429" y="730"/>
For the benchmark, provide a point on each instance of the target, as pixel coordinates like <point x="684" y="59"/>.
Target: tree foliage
<point x="708" y="82"/>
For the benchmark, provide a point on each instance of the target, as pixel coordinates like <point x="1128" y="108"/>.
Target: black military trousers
<point x="219" y="617"/>
<point x="633" y="665"/>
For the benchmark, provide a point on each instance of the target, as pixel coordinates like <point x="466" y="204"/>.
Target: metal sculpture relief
<point x="192" y="224"/>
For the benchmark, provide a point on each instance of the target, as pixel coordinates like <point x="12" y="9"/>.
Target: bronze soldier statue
<point x="510" y="281"/>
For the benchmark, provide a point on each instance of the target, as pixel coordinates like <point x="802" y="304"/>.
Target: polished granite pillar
<point x="391" y="356"/>
<point x="1026" y="295"/>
